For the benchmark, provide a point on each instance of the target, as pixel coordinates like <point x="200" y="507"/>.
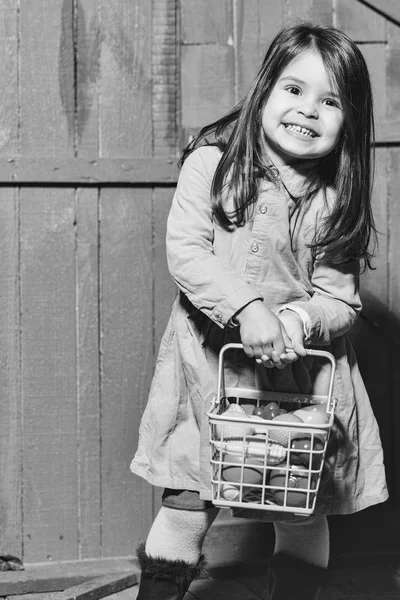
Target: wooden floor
<point x="350" y="579"/>
<point x="367" y="580"/>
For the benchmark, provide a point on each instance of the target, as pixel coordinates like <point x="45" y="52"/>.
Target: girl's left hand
<point x="295" y="330"/>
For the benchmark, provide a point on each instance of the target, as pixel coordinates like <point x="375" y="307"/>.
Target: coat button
<point x="254" y="247"/>
<point x="274" y="172"/>
<point x="263" y="209"/>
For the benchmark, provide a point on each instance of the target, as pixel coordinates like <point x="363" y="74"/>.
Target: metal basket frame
<point x="256" y="459"/>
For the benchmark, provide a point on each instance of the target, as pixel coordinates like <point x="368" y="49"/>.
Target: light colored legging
<point x="179" y="535"/>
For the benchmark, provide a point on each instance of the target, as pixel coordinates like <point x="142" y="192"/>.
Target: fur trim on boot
<point x="291" y="578"/>
<point x="164" y="579"/>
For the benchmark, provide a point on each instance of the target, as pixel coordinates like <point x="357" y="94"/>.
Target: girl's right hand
<point x="264" y="336"/>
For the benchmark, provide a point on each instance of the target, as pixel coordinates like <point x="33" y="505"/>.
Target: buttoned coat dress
<point x="217" y="273"/>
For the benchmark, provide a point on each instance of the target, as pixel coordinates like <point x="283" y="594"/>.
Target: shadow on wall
<point x="376" y="340"/>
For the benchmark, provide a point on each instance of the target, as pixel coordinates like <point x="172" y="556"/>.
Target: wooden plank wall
<point x="92" y="116"/>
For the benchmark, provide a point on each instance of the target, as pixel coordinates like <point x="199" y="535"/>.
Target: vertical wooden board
<point x="127" y="362"/>
<point x="9" y="78"/>
<point x="394" y="306"/>
<point x="88" y="368"/>
<point x="165" y="77"/>
<point x="375" y="57"/>
<point x="315" y="11"/>
<point x="88" y="48"/>
<point x="47" y="78"/>
<point x="271" y="20"/>
<point x="48" y="349"/>
<point x="360" y="23"/>
<point x="206" y="85"/>
<point x="256" y="25"/>
<point x="165" y="289"/>
<point x="10" y="422"/>
<point x="210" y="23"/>
<point x="125" y="87"/>
<point x="393" y="71"/>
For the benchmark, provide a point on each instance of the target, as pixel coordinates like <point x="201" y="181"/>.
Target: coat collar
<point x="294" y="178"/>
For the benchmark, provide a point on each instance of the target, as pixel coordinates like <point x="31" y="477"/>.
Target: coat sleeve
<point x="335" y="303"/>
<point x="206" y="279"/>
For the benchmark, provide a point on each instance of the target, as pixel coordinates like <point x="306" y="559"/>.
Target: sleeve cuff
<point x="223" y="313"/>
<point x="303" y="316"/>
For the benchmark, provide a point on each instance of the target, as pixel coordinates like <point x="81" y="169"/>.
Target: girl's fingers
<point x="267" y="362"/>
<point x="276" y="360"/>
<point x="298" y="348"/>
<point x="289" y="357"/>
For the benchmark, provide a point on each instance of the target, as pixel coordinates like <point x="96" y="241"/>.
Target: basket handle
<point x="310" y="352"/>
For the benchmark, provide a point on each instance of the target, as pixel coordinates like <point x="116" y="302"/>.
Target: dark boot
<point x="163" y="579"/>
<point x="293" y="579"/>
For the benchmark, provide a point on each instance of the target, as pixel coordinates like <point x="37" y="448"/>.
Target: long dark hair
<point x="348" y="169"/>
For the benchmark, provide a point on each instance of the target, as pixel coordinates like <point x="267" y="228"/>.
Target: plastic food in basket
<point x="281" y="435"/>
<point x="301" y="449"/>
<point x="296" y="482"/>
<point x="251" y="474"/>
<point x="254" y="448"/>
<point x="228" y="429"/>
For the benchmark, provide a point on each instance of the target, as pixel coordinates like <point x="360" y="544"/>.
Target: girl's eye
<point x="330" y="102"/>
<point x="293" y="89"/>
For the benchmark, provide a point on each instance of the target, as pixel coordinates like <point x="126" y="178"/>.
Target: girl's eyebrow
<point x="301" y="82"/>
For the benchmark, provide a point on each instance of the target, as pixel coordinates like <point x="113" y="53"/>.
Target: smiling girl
<point x="268" y="232"/>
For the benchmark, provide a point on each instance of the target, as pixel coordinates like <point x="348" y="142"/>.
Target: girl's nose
<point x="309" y="109"/>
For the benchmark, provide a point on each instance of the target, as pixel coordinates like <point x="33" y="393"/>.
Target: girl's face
<point x="302" y="119"/>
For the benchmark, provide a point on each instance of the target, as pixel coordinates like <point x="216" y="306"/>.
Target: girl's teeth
<point x="300" y="130"/>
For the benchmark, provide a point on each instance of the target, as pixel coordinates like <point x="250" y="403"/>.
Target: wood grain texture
<point x="48" y="355"/>
<point x="95" y="171"/>
<point x="125" y="87"/>
<point x="387" y="8"/>
<point x="316" y="11"/>
<point x="37" y="581"/>
<point x="9" y="143"/>
<point x="360" y="22"/>
<point x="88" y="39"/>
<point x="257" y="23"/>
<point x="375" y="57"/>
<point x="96" y="588"/>
<point x="127" y="361"/>
<point x="47" y="78"/>
<point x="88" y="369"/>
<point x="393" y="72"/>
<point x="207" y="85"/>
<point x="10" y="422"/>
<point x="165" y="77"/>
<point x="212" y="24"/>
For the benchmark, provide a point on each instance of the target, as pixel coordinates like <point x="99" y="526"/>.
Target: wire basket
<point x="273" y="463"/>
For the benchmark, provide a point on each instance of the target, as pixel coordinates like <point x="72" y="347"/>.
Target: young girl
<point x="268" y="230"/>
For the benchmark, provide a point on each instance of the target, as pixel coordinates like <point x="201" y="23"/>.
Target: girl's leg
<point x="178" y="534"/>
<point x="299" y="565"/>
<point x="171" y="557"/>
<point x="306" y="539"/>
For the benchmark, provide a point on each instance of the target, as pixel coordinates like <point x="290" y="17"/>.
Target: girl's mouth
<point x="302" y="130"/>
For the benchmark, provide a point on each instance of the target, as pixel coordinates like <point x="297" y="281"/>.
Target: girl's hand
<point x="295" y="330"/>
<point x="263" y="336"/>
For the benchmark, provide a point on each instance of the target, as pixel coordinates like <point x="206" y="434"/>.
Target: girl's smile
<point x="302" y="118"/>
